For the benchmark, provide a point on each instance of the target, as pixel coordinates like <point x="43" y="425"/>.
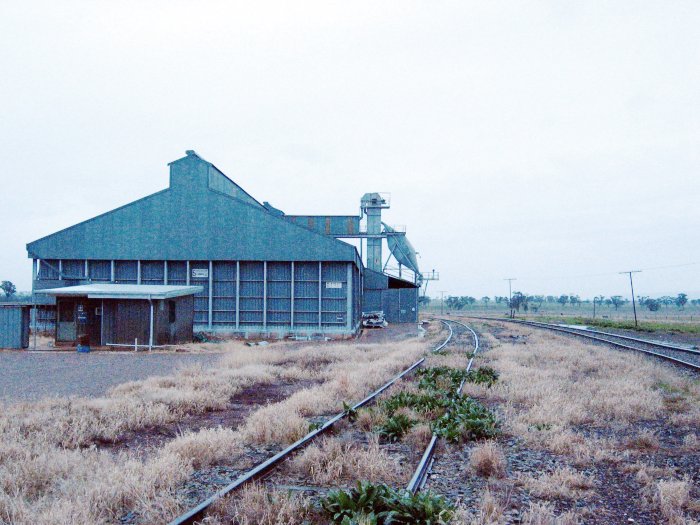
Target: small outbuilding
<point x="124" y="314"/>
<point x="14" y="325"/>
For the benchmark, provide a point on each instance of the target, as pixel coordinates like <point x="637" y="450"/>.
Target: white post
<point x="187" y="265"/>
<point x="211" y="293"/>
<point x="112" y="272"/>
<point x="320" y="294"/>
<point x="60" y="269"/>
<point x="87" y="270"/>
<point x="264" y="295"/>
<point x="36" y="311"/>
<point x="165" y="272"/>
<point x="102" y="323"/>
<point x="291" y="313"/>
<point x="238" y="294"/>
<point x="349" y="294"/>
<point x="138" y="272"/>
<point x="150" y="337"/>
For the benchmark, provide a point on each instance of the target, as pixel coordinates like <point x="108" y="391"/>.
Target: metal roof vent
<point x="190" y="152"/>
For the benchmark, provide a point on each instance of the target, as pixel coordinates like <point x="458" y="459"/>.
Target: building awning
<point x="122" y="291"/>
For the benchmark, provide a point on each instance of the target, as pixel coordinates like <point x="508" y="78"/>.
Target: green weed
<point x="381" y="505"/>
<point x="395" y="427"/>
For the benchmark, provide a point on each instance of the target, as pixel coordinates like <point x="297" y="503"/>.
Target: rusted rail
<point x="420" y="476"/>
<point x="198" y="512"/>
<point x="610" y="338"/>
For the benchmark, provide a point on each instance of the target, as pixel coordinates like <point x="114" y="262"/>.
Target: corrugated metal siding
<point x="328" y="224"/>
<point x="252" y="288"/>
<point x="201" y="299"/>
<point x="152" y="272"/>
<point x="100" y="271"/>
<point x="372" y="301"/>
<point x="216" y="227"/>
<point x="224" y="293"/>
<point x="408" y="303"/>
<point x="74" y="269"/>
<point x="48" y="269"/>
<point x="279" y="294"/>
<point x="126" y="272"/>
<point x="306" y="294"/>
<point x="14" y="326"/>
<point x="334" y="291"/>
<point x="177" y="272"/>
<point x="262" y="304"/>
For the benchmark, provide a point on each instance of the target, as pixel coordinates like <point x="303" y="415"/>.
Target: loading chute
<point x="402" y="249"/>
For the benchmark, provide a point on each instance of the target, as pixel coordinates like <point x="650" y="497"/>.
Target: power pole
<point x="634" y="306"/>
<point x="510" y="295"/>
<point x="594" y="299"/>
<point x="442" y="301"/>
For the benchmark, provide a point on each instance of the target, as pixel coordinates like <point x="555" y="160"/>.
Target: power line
<point x="606" y="274"/>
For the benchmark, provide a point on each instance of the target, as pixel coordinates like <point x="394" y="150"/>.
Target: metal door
<point x="65" y="327"/>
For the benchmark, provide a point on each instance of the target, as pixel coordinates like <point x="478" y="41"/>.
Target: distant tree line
<point x="655" y="305"/>
<point x="522" y="301"/>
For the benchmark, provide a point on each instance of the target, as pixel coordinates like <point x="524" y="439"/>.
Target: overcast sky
<point x="556" y="142"/>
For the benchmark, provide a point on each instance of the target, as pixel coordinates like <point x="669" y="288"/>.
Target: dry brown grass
<point x="562" y="483"/>
<point x="205" y="447"/>
<point x="418" y="437"/>
<point x="691" y="443"/>
<point x="491" y="511"/>
<point x="335" y="459"/>
<point x="487" y="460"/>
<point x="543" y="514"/>
<point x="255" y="505"/>
<point x="555" y="383"/>
<point x="645" y="441"/>
<point x="671" y="497"/>
<point x="348" y="381"/>
<point x="53" y="471"/>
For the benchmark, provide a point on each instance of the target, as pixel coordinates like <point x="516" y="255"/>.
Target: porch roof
<point x="122" y="291"/>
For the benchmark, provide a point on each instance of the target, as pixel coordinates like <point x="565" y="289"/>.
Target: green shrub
<point x="382" y="505"/>
<point x="430" y="377"/>
<point x="419" y="402"/>
<point x="467" y="419"/>
<point x="395" y="427"/>
<point x="483" y="375"/>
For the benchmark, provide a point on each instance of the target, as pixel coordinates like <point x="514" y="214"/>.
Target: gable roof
<point x="199" y="217"/>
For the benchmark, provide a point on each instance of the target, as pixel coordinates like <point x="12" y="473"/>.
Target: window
<point x="172" y="311"/>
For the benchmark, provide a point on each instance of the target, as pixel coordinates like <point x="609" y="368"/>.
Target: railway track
<point x="682" y="356"/>
<point x="198" y="512"/>
<point x="420" y="476"/>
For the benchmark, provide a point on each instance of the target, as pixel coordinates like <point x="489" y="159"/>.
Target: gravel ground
<point x="615" y="496"/>
<point x="29" y="376"/>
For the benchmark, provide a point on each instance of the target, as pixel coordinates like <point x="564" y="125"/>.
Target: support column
<point x="60" y="269"/>
<point x="211" y="293"/>
<point x="187" y="270"/>
<point x="34" y="308"/>
<point x="165" y="272"/>
<point x="320" y="295"/>
<point x="112" y="271"/>
<point x="150" y="335"/>
<point x="350" y="295"/>
<point x="291" y="311"/>
<point x="238" y="294"/>
<point x="138" y="273"/>
<point x="264" y="294"/>
<point x="87" y="270"/>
